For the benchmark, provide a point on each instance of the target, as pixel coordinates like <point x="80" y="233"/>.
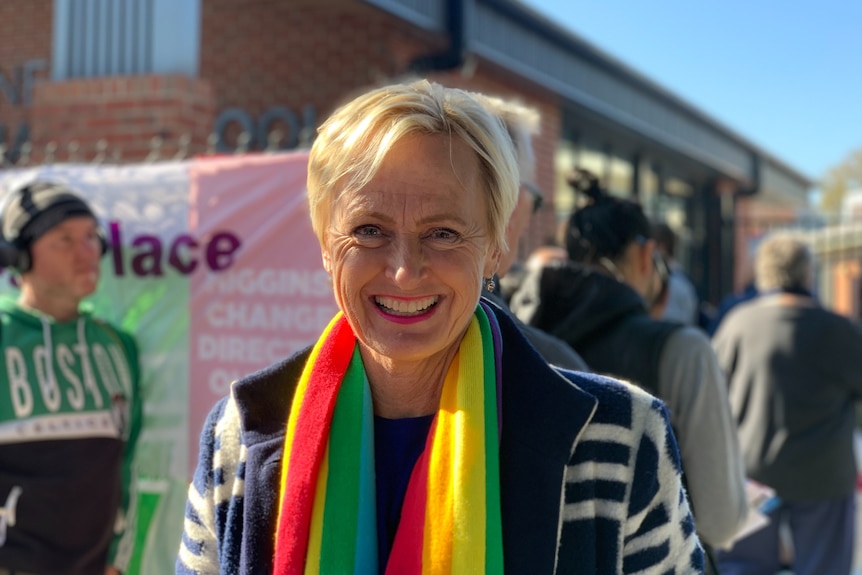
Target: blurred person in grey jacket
<point x="522" y="123"/>
<point x="794" y="372"/>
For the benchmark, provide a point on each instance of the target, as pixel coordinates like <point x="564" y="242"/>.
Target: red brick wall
<point x="846" y="279"/>
<point x="258" y="54"/>
<point x="126" y="112"/>
<point x="25" y="35"/>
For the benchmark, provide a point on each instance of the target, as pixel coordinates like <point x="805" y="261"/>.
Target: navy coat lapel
<point x="543" y="414"/>
<point x="264" y="402"/>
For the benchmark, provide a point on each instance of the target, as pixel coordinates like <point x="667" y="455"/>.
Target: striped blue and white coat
<point x="589" y="472"/>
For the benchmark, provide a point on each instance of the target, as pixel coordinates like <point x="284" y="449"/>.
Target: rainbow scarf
<point x="450" y="520"/>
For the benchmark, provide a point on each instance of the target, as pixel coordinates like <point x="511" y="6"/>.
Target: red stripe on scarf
<point x="406" y="555"/>
<point x="308" y="448"/>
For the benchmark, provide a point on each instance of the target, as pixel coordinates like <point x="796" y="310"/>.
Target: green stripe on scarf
<point x="494" y="521"/>
<point x="341" y="512"/>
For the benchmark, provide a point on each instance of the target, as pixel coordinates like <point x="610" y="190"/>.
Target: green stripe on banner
<point x="340" y="515"/>
<point x="147" y="505"/>
<point x="493" y="520"/>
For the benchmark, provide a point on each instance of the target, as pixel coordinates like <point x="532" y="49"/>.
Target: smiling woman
<point x="407" y="254"/>
<point x="404" y="440"/>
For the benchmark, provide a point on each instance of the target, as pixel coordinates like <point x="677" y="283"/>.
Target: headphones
<point x="16" y="254"/>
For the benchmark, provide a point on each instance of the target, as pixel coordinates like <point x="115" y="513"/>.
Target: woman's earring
<point x="490" y="285"/>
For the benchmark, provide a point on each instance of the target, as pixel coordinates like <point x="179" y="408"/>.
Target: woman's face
<point x="407" y="253"/>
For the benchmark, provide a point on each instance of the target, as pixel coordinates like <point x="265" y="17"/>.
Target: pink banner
<point x="264" y="293"/>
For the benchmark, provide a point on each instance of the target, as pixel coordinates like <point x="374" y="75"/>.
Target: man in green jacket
<point x="70" y="411"/>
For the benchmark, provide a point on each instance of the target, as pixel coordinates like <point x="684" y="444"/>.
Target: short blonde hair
<point x="353" y="142"/>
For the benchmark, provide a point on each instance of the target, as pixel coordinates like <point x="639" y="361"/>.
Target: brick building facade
<point x="85" y="80"/>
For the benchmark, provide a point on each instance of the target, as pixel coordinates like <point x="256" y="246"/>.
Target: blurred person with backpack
<point x="598" y="302"/>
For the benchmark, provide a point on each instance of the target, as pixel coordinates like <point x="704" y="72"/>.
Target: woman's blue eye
<point x="367" y="231"/>
<point x="444" y="234"/>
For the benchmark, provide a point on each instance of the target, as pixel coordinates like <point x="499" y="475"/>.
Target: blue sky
<point x="785" y="75"/>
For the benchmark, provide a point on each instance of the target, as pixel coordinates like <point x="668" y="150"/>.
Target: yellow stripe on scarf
<point x="456" y="476"/>
<point x="315" y="536"/>
<point x="469" y="502"/>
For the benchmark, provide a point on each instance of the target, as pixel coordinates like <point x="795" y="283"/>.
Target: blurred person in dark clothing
<point x="793" y="372"/>
<point x="661" y="288"/>
<point x="682" y="303"/>
<point x="731" y="300"/>
<point x="598" y="302"/>
<point x="522" y="123"/>
<point x="546" y="255"/>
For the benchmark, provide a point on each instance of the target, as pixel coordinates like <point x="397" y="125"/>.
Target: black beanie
<point x="36" y="208"/>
